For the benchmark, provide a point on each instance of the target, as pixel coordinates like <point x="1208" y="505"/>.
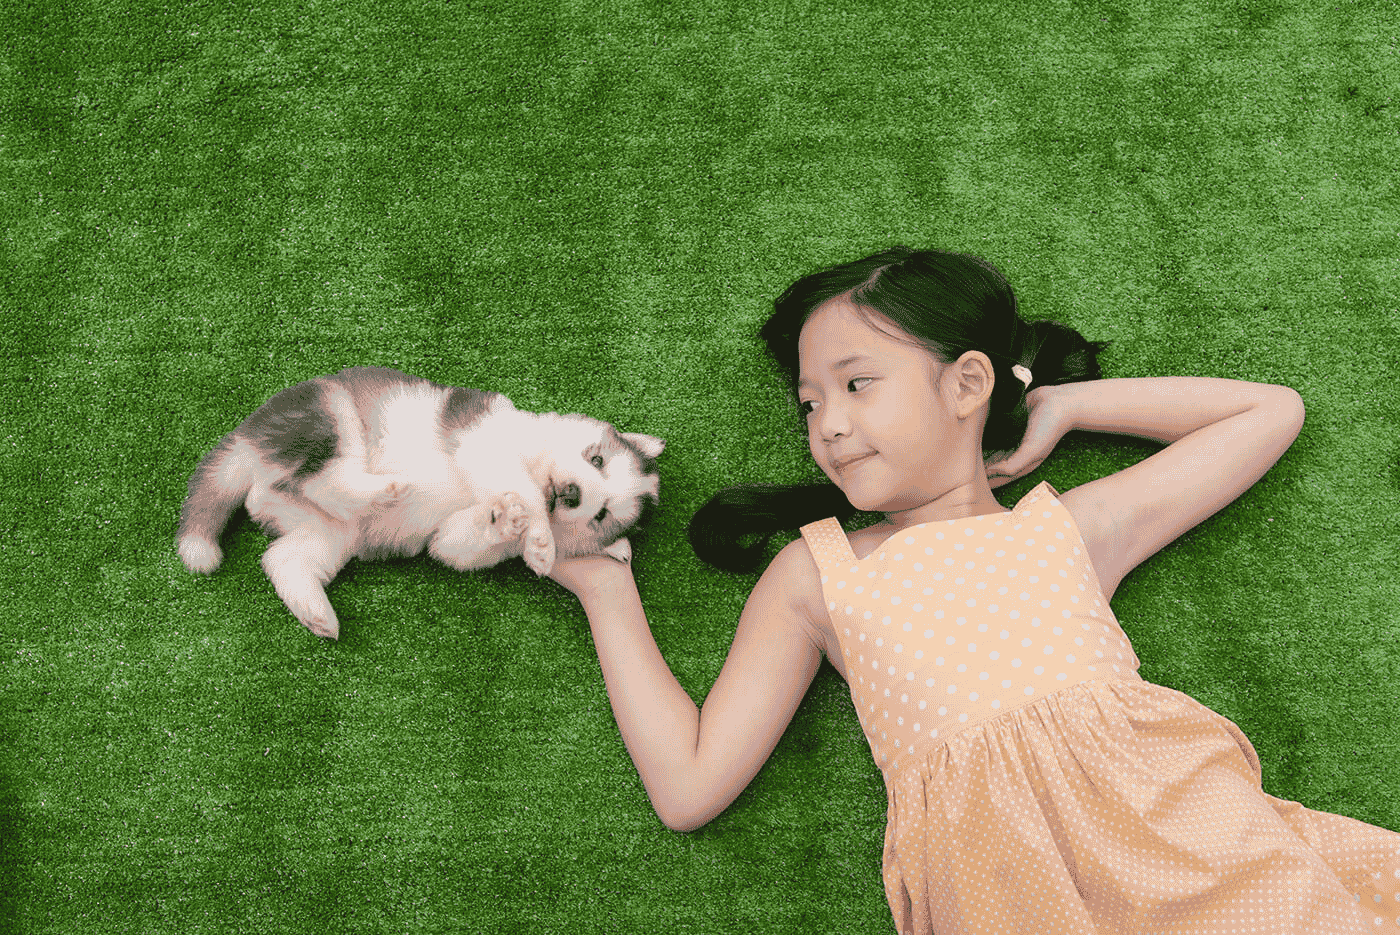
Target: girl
<point x="1035" y="782"/>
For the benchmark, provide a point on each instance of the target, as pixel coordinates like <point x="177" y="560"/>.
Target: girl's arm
<point x="1162" y="409"/>
<point x="1223" y="435"/>
<point x="694" y="763"/>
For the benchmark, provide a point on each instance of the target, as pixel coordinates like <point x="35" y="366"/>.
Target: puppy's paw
<point x="508" y="516"/>
<point x="323" y="626"/>
<point x="539" y="550"/>
<point x="317" y="616"/>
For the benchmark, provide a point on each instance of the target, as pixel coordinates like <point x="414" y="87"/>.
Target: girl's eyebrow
<point x="844" y="361"/>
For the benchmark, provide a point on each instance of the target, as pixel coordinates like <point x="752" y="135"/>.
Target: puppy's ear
<point x="620" y="550"/>
<point x="649" y="445"/>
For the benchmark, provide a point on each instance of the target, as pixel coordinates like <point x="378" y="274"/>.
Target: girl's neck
<point x="944" y="508"/>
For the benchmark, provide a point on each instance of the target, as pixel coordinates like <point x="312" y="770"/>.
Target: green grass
<point x="592" y="210"/>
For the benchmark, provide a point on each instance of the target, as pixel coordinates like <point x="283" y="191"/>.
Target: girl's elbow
<point x="684" y="826"/>
<point x="1291" y="399"/>
<point x="680" y="827"/>
<point x="689" y="812"/>
<point x="685" y="800"/>
<point x="682" y="820"/>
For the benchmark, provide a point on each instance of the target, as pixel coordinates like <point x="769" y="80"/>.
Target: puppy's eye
<point x="601" y="513"/>
<point x="597" y="461"/>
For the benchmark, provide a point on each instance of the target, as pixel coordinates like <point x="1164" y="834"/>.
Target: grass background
<point x="590" y="207"/>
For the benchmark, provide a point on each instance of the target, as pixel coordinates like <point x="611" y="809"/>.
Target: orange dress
<point x="1037" y="783"/>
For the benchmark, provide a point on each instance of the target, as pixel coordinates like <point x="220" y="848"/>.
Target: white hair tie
<point x="1022" y="373"/>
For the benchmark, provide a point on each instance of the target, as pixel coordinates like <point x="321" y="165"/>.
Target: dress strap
<point x="828" y="543"/>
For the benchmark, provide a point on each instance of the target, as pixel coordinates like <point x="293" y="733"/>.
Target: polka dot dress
<point x="1036" y="783"/>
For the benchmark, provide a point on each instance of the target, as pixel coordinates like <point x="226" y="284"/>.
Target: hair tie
<point x="1023" y="374"/>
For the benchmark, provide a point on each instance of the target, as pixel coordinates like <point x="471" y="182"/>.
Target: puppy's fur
<point x="374" y="463"/>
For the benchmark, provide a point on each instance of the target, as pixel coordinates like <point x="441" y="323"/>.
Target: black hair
<point x="948" y="303"/>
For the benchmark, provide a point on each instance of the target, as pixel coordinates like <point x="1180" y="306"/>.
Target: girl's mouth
<point x="856" y="463"/>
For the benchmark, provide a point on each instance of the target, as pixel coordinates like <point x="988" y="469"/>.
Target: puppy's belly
<point x="403" y="529"/>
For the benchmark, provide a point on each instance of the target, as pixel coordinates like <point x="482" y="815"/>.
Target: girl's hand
<point x="1047" y="425"/>
<point x="584" y="573"/>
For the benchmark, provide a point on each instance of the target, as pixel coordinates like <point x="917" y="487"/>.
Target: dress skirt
<point x="1120" y="806"/>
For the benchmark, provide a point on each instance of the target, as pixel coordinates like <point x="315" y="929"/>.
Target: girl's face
<point x="918" y="423"/>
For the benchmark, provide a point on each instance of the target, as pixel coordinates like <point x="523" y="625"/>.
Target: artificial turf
<point x="590" y="207"/>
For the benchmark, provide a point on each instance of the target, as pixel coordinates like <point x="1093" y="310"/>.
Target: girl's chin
<point x="861" y="499"/>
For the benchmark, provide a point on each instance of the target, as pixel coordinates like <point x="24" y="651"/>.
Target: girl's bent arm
<point x="1223" y="436"/>
<point x="695" y="763"/>
<point x="1163" y="409"/>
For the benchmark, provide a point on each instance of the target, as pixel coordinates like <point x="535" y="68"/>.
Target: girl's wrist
<point x="1059" y="405"/>
<point x="605" y="580"/>
<point x="588" y="577"/>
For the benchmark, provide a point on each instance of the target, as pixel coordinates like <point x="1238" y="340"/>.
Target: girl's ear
<point x="974" y="379"/>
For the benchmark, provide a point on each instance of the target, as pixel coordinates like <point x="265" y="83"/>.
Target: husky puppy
<point x="374" y="463"/>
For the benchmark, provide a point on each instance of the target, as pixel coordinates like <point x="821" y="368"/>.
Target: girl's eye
<point x="806" y="412"/>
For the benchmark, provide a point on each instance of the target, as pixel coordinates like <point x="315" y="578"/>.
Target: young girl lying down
<point x="1036" y="783"/>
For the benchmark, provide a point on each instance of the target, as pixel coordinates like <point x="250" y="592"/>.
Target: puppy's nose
<point x="570" y="496"/>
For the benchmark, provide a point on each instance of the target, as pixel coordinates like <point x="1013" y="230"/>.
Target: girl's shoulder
<point x="801" y="579"/>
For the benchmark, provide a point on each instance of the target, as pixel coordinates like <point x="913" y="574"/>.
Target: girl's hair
<point x="948" y="303"/>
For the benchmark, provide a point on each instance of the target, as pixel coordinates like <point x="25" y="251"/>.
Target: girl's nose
<point x="834" y="425"/>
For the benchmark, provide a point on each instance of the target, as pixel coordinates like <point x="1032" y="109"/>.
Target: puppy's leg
<point x="471" y="538"/>
<point x="344" y="487"/>
<point x="540" y="551"/>
<point x="300" y="564"/>
<point x="345" y="490"/>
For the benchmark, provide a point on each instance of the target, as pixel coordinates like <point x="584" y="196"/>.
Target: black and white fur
<point x="373" y="463"/>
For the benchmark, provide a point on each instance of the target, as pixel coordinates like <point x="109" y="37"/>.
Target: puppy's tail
<point x="217" y="488"/>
